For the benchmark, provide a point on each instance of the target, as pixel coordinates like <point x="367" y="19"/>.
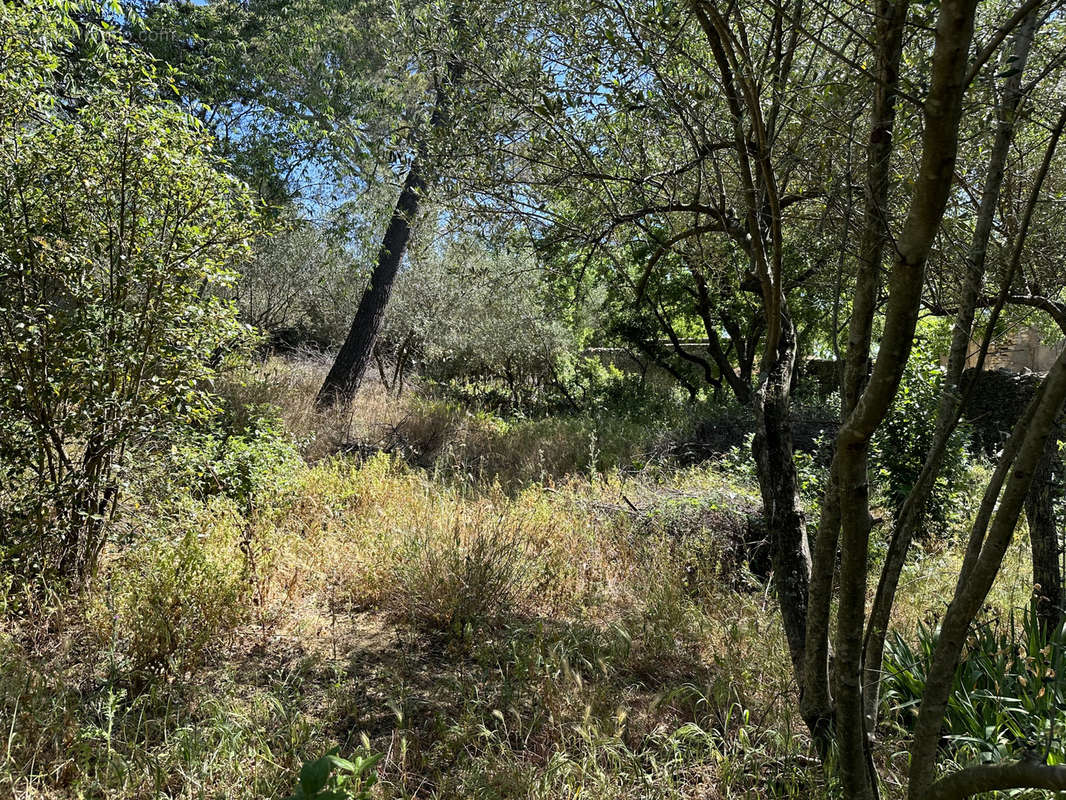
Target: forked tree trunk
<point x="942" y="113"/>
<point x="951" y="400"/>
<point x="816" y="700"/>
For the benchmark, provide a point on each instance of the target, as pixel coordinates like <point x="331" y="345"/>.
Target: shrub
<point x="477" y="319"/>
<point x="238" y="458"/>
<point x="1008" y="697"/>
<point x="902" y="442"/>
<point x="600" y="387"/>
<point x="118" y="226"/>
<point x="299" y="287"/>
<point x="173" y="596"/>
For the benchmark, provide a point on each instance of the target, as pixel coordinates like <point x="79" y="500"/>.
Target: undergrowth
<point x="572" y="618"/>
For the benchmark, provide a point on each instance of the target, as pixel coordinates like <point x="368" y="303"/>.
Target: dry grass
<point x="453" y="442"/>
<point x="569" y="651"/>
<point x="501" y="635"/>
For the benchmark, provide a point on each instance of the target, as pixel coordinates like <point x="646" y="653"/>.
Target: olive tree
<point x="470" y="310"/>
<point x="677" y="125"/>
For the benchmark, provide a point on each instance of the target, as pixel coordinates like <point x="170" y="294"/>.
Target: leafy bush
<point x="118" y="227"/>
<point x="600" y="387"/>
<point x="299" y="286"/>
<point x="902" y="442"/>
<point x="1008" y="697"/>
<point x="238" y="458"/>
<point x="478" y="320"/>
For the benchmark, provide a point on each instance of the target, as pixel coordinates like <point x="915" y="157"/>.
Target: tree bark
<point x="993" y="777"/>
<point x="782" y="508"/>
<point x="816" y="700"/>
<point x="950" y="407"/>
<point x="942" y="113"/>
<point x="1044" y="540"/>
<point x="980" y="566"/>
<point x="351" y="362"/>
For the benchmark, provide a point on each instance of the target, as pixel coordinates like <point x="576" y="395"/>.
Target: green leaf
<point x="314" y="774"/>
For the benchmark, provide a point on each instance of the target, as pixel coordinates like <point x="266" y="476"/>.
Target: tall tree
<point x="354" y="356"/>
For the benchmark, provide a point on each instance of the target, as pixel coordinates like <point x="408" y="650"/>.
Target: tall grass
<point x="454" y="441"/>
<point x="232" y="641"/>
<point x="526" y="609"/>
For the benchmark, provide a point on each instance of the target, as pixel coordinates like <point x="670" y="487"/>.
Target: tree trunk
<point x="950" y="407"/>
<point x="988" y="543"/>
<point x="786" y="524"/>
<point x="351" y="362"/>
<point x="348" y="368"/>
<point x="1044" y="539"/>
<point x="942" y="114"/>
<point x="816" y="700"/>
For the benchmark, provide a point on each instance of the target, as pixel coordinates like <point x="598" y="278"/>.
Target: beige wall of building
<point x="1021" y="349"/>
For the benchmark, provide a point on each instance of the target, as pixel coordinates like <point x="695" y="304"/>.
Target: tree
<point x="117" y="226"/>
<point x="340" y="103"/>
<point x="352" y="360"/>
<point x="741" y="103"/>
<point x="471" y="310"/>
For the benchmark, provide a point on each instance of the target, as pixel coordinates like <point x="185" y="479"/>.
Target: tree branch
<point x="992" y="777"/>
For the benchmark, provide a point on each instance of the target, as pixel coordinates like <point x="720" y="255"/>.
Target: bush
<point x="238" y="458"/>
<point x="474" y="575"/>
<point x="172" y="597"/>
<point x="900" y="445"/>
<point x="600" y="387"/>
<point x="119" y="225"/>
<point x="479" y="321"/>
<point x="299" y="287"/>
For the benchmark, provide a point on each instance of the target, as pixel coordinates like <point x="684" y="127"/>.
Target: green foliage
<point x="901" y="443"/>
<point x="240" y="457"/>
<point x="334" y="778"/>
<point x="1009" y="699"/>
<point x="299" y="286"/>
<point x="812" y="469"/>
<point x="478" y="320"/>
<point x="119" y="227"/>
<point x="739" y="463"/>
<point x="604" y="388"/>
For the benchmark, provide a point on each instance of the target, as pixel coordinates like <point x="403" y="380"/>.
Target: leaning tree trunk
<point x="989" y="538"/>
<point x="355" y="354"/>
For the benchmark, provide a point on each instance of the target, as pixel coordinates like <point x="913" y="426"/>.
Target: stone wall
<point x="1021" y="349"/>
